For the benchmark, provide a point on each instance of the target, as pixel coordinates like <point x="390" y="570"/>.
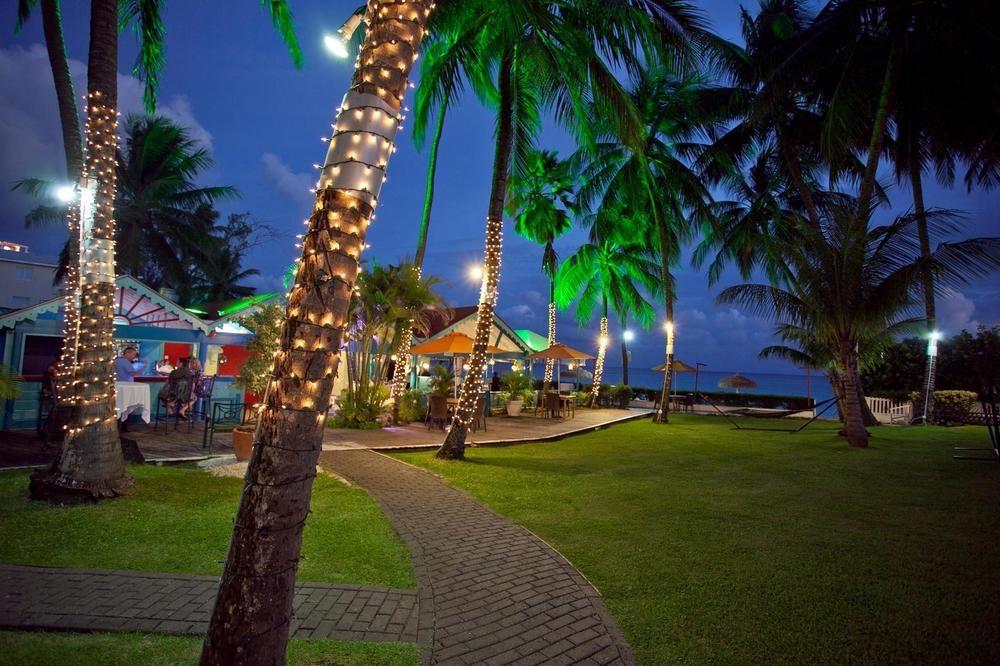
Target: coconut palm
<point x="540" y="200"/>
<point x="849" y="284"/>
<point x="253" y="608"/>
<point x="90" y="464"/>
<point x="656" y="176"/>
<point x="611" y="269"/>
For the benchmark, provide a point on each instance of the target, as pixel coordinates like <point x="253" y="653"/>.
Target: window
<point x="39" y="352"/>
<point x="25" y="273"/>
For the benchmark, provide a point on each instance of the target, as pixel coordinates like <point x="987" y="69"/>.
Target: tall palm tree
<point x="849" y="284"/>
<point x="540" y="200"/>
<point x="611" y="269"/>
<point x="73" y="147"/>
<point x="253" y="608"/>
<point x="527" y="57"/>
<point x="90" y="464"/>
<point x="656" y="176"/>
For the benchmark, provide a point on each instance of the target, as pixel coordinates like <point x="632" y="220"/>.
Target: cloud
<point x="293" y="185"/>
<point x="954" y="312"/>
<point x="518" y="312"/>
<point x="30" y="131"/>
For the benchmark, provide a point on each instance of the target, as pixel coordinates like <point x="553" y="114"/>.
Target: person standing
<point x="125" y="367"/>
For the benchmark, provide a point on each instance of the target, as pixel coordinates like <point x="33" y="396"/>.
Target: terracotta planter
<point x="242" y="443"/>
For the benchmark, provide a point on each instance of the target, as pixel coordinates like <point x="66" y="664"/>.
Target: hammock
<point x="761" y="413"/>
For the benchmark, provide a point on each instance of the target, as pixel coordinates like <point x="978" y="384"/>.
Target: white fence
<point x="891" y="411"/>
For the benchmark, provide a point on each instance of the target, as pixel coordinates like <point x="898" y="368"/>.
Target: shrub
<point x="360" y="412"/>
<point x="442" y="382"/>
<point x="518" y="386"/>
<point x="413" y="406"/>
<point x="949" y="406"/>
<point x="621" y="394"/>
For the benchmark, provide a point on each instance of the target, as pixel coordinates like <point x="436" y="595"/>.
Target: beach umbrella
<point x="679" y="366"/>
<point x="737" y="382"/>
<point x="559" y="353"/>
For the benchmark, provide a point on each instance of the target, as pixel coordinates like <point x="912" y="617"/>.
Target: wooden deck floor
<point x="20" y="447"/>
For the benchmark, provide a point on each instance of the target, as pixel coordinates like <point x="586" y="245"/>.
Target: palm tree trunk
<point x="253" y="609"/>
<point x="867" y="188"/>
<point x="549" y="363"/>
<point x="73" y="147"/>
<point x="662" y="414"/>
<point x="602" y="346"/>
<point x="837" y="384"/>
<point x="402" y="366"/>
<point x="854" y="423"/>
<point x="90" y="465"/>
<point x="454" y="444"/>
<point x="624" y="352"/>
<point x="927" y="277"/>
<point x="795" y="172"/>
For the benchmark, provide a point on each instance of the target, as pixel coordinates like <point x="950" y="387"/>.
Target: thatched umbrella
<point x="737" y="382"/>
<point x="679" y="366"/>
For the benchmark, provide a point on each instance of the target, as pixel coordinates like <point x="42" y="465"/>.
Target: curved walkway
<point x="489" y="591"/>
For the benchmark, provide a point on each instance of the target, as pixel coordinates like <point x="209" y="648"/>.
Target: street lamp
<point x="337" y="43"/>
<point x="65" y="193"/>
<point x="932" y="351"/>
<point x="628" y="336"/>
<point x="475" y="272"/>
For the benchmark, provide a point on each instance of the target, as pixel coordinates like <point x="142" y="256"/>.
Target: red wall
<point x="236" y="356"/>
<point x="175" y="351"/>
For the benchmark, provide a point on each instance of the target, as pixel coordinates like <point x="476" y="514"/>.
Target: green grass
<point x="711" y="544"/>
<point x="179" y="520"/>
<point x="43" y="649"/>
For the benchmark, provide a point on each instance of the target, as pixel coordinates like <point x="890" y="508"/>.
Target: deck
<point x="21" y="448"/>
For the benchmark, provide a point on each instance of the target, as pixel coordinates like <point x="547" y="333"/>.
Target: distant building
<point x="25" y="278"/>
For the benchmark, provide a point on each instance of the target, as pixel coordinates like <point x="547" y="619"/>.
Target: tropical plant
<point x="653" y="181"/>
<point x="848" y="285"/>
<point x="526" y="57"/>
<point x="610" y="269"/>
<point x="265" y="324"/>
<point x="10" y="383"/>
<point x="518" y="385"/>
<point x="255" y="618"/>
<point x="441" y="382"/>
<point x="540" y="200"/>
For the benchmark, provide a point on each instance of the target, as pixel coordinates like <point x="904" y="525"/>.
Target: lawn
<point x="179" y="520"/>
<point x="42" y="649"/>
<point x="711" y="544"/>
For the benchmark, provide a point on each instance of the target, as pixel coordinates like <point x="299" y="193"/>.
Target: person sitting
<point x="178" y="389"/>
<point x="125" y="366"/>
<point x="194" y="365"/>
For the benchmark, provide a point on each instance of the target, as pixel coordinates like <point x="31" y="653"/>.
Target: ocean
<point x="817" y="386"/>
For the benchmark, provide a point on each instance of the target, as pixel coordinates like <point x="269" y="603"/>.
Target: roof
<point x="461" y="313"/>
<point x="166" y="309"/>
<point x="535" y="341"/>
<point x="29" y="258"/>
<point x="213" y="310"/>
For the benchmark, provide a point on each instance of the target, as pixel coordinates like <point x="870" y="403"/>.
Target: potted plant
<point x="517" y="386"/>
<point x="243" y="441"/>
<point x="622" y="395"/>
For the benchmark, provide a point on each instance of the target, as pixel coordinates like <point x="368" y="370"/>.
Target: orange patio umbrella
<point x="560" y="352"/>
<point x="453" y="344"/>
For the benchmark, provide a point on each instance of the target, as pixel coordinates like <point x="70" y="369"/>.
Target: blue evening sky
<point x="229" y="78"/>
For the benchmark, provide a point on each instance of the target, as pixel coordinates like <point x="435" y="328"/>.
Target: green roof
<point x="535" y="341"/>
<point x="244" y="303"/>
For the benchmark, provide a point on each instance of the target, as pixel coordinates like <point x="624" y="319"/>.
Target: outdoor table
<point x="132" y="396"/>
<point x="567" y="404"/>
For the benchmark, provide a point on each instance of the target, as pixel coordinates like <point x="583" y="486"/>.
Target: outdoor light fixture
<point x="337" y="44"/>
<point x="628" y="336"/>
<point x="932" y="343"/>
<point x="475" y="272"/>
<point x="669" y="328"/>
<point x="425" y="365"/>
<point x="66" y="193"/>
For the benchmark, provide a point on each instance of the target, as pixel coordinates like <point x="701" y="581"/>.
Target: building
<point x="25" y="278"/>
<point x="159" y="328"/>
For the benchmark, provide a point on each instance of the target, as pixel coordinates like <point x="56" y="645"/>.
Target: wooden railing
<point x="890" y="411"/>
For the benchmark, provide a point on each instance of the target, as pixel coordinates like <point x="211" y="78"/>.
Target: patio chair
<point x="479" y="413"/>
<point x="202" y="393"/>
<point x="437" y="411"/>
<point x="540" y="402"/>
<point x="177" y="391"/>
<point x="552" y="404"/>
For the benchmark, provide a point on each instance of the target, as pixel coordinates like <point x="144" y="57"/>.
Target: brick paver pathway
<point x="489" y="591"/>
<point x="106" y="600"/>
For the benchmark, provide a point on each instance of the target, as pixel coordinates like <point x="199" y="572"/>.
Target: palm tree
<point x="90" y="464"/>
<point x="849" y="284"/>
<point x="539" y="201"/>
<point x="73" y="147"/>
<point x="610" y="268"/>
<point x="529" y="56"/>
<point x="253" y="608"/>
<point x="657" y="177"/>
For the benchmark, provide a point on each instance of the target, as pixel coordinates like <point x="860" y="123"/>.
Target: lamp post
<point x="932" y="351"/>
<point x="627" y="337"/>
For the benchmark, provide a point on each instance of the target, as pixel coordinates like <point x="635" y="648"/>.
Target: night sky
<point x="230" y="80"/>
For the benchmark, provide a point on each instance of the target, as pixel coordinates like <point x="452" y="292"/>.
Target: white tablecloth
<point x="130" y="397"/>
